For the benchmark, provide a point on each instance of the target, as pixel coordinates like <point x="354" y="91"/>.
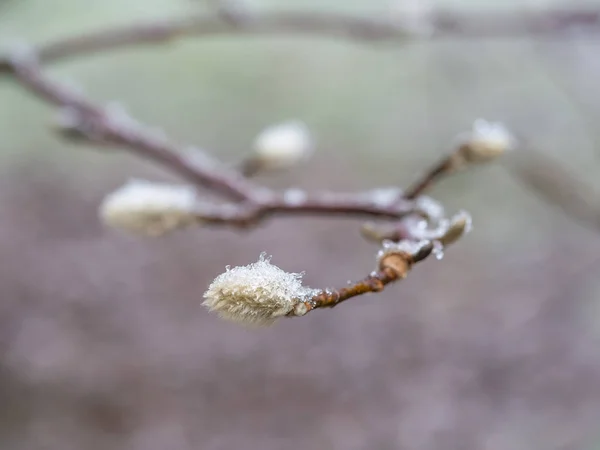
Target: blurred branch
<point x="109" y="126"/>
<point x="419" y="228"/>
<point x="441" y="24"/>
<point x="557" y="185"/>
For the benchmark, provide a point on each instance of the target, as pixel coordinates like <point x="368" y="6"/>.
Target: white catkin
<point x="148" y="208"/>
<point x="488" y="140"/>
<point x="256" y="294"/>
<point x="283" y="145"/>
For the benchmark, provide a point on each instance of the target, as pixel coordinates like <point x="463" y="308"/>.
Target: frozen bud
<point x="379" y="232"/>
<point x="429" y="207"/>
<point x="460" y="225"/>
<point x="148" y="208"/>
<point x="256" y="294"/>
<point x="282" y="146"/>
<point x="486" y="142"/>
<point x="400" y="256"/>
<point x="445" y="231"/>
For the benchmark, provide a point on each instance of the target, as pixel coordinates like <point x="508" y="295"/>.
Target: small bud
<point x="148" y="208"/>
<point x="458" y="226"/>
<point x="445" y="231"/>
<point x="282" y="146"/>
<point x="486" y="142"/>
<point x="257" y="294"/>
<point x="379" y="232"/>
<point x="412" y="251"/>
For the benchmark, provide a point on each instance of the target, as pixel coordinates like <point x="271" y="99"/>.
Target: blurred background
<point x="104" y="343"/>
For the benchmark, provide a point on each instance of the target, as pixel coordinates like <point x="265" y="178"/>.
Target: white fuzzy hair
<point x="257" y="294"/>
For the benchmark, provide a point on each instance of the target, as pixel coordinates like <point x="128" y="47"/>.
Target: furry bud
<point x="256" y="294"/>
<point x="148" y="208"/>
<point x="486" y="142"/>
<point x="282" y="146"/>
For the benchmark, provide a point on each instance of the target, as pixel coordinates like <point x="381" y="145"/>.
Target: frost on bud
<point x="400" y="256"/>
<point x="445" y="231"/>
<point x="431" y="208"/>
<point x="486" y="142"/>
<point x="256" y="294"/>
<point x="282" y="146"/>
<point x="407" y="247"/>
<point x="147" y="208"/>
<point x="458" y="226"/>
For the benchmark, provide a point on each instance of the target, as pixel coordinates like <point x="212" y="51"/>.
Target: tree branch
<point x="392" y="267"/>
<point x="419" y="228"/>
<point x="101" y="124"/>
<point x="442" y="24"/>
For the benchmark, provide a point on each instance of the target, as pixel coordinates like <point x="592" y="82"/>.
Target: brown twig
<point x="392" y="267"/>
<point x="429" y="178"/>
<point x="375" y="282"/>
<point x="395" y="260"/>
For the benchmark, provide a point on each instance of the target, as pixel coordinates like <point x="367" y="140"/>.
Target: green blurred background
<point x="104" y="343"/>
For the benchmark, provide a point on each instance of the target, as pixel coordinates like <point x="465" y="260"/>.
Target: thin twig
<point x="439" y="170"/>
<point x="551" y="181"/>
<point x="392" y="267"/>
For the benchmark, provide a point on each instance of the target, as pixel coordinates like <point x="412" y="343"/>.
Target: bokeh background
<point x="104" y="343"/>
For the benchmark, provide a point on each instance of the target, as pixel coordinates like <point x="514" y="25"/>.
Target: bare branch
<point x="420" y="227"/>
<point x="444" y="24"/>
<point x="557" y="185"/>
<point x="484" y="143"/>
<point x="101" y="124"/>
<point x="393" y="266"/>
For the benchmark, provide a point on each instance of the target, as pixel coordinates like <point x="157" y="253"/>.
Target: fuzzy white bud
<point x="256" y="294"/>
<point x="487" y="141"/>
<point x="148" y="208"/>
<point x="282" y="146"/>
